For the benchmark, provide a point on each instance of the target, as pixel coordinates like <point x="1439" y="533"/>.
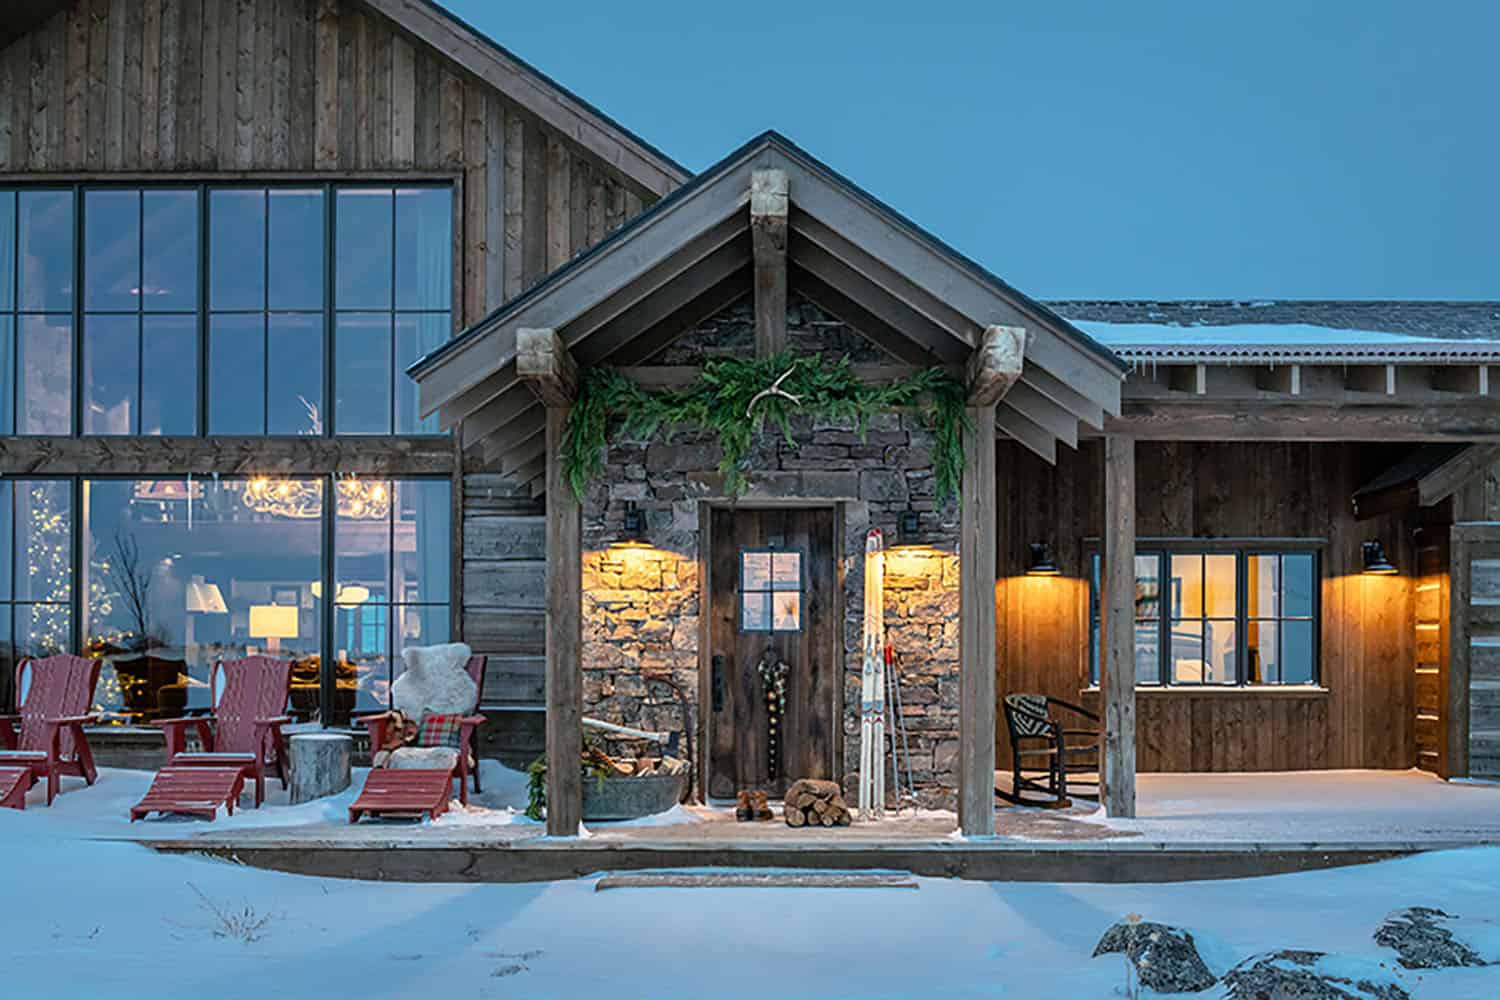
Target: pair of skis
<point x="880" y="689"/>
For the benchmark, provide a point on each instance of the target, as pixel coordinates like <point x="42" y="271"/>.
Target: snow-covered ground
<point x="84" y="917"/>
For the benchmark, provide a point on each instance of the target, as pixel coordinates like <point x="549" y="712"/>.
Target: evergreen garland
<point x="717" y="404"/>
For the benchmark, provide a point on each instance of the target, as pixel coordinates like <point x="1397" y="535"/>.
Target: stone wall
<point x="642" y="605"/>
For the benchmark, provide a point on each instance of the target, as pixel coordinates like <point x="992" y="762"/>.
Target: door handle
<point x="717" y="683"/>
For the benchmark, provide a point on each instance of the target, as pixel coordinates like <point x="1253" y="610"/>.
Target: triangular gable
<point x="690" y="255"/>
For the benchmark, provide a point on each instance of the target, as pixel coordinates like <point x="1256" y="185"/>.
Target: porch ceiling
<point x="692" y="254"/>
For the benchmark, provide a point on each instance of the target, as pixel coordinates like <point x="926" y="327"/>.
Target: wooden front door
<point x="772" y="581"/>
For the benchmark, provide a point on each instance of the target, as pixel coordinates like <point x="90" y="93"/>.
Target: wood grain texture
<point x="976" y="629"/>
<point x="1363" y="716"/>
<point x="564" y="639"/>
<point x="1117" y="641"/>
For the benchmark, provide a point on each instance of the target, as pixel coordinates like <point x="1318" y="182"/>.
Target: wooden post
<point x="768" y="228"/>
<point x="564" y="639"/>
<point x="976" y="628"/>
<point x="1117" y="676"/>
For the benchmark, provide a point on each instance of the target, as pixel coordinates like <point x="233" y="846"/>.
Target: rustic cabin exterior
<point x="303" y="307"/>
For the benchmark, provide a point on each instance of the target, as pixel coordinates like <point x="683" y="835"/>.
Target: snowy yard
<point x="86" y="917"/>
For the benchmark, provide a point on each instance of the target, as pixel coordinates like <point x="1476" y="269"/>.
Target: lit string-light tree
<point x="49" y="572"/>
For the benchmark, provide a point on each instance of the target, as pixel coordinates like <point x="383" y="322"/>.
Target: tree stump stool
<point x="320" y="764"/>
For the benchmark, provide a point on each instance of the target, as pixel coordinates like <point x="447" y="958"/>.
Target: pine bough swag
<point x="717" y="403"/>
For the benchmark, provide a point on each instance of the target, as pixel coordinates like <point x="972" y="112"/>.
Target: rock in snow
<point x="1165" y="958"/>
<point x="1426" y="938"/>
<point x="1310" y="975"/>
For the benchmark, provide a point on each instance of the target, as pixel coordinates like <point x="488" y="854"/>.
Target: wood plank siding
<point x="237" y="88"/>
<point x="1366" y="715"/>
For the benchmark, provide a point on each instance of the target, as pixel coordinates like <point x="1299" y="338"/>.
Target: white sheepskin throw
<point x="435" y="682"/>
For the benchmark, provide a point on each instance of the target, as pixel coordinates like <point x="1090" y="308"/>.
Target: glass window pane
<point x="786" y="611"/>
<point x="364" y="248"/>
<point x="7" y="497"/>
<point x="1186" y="581"/>
<point x="362" y="548"/>
<point x="180" y="575"/>
<point x="755" y="611"/>
<point x="236" y="375"/>
<point x="7" y="374"/>
<point x="112" y="249"/>
<point x="786" y="571"/>
<point x="362" y="670"/>
<point x="296" y="260"/>
<point x="44" y="357"/>
<point x="424" y="248"/>
<point x="1219" y="586"/>
<point x="111" y="346"/>
<point x="43" y="629"/>
<point x="1263" y="583"/>
<point x="755" y="570"/>
<point x="169" y="280"/>
<point x="43" y="540"/>
<point x="423" y="538"/>
<point x="1297" y="652"/>
<point x="1148" y="653"/>
<point x="1298" y="584"/>
<point x="46" y="250"/>
<point x="1263" y="653"/>
<point x="7" y="659"/>
<point x="1147" y="587"/>
<point x="169" y="375"/>
<point x="237" y="249"/>
<point x="425" y="625"/>
<point x="362" y="373"/>
<point x="415" y="337"/>
<point x="7" y="250"/>
<point x="294" y="395"/>
<point x="1203" y="652"/>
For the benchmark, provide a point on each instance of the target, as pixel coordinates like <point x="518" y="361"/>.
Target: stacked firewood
<point x="810" y="802"/>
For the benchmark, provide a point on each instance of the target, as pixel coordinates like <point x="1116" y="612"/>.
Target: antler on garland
<point x="731" y="402"/>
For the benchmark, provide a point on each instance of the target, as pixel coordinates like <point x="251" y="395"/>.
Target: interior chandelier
<point x="303" y="498"/>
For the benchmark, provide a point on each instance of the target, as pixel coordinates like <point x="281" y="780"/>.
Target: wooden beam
<point x="495" y="414"/>
<point x="1034" y="438"/>
<point x="1448" y="478"/>
<point x="671" y="327"/>
<point x="1286" y="379"/>
<point x="1227" y="420"/>
<point x="768" y="231"/>
<point x="1117" y="674"/>
<point x="544" y="364"/>
<point x="1087" y="411"/>
<point x="1042" y="411"/>
<point x="976" y="629"/>
<point x="564" y="581"/>
<point x="995" y="364"/>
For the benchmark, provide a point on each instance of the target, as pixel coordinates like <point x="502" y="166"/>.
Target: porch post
<point x="976" y="628"/>
<point x="1117" y="673"/>
<point x="543" y="362"/>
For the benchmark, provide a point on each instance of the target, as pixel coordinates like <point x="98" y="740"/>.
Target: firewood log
<point x="826" y="819"/>
<point x="795" y="817"/>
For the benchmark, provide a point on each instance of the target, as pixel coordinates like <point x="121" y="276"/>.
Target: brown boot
<point x="742" y="810"/>
<point x="761" y="807"/>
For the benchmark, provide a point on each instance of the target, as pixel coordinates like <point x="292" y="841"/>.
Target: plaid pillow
<point x="440" y="731"/>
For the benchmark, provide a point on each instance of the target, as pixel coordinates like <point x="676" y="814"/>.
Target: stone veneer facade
<point x="642" y="606"/>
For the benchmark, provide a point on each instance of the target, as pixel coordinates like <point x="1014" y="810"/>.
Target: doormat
<point x="754" y="880"/>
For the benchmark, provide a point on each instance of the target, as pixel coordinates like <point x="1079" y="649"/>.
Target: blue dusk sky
<point x="1097" y="148"/>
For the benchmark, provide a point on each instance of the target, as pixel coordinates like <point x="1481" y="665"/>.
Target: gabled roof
<point x="690" y="256"/>
<point x="538" y="93"/>
<point x="1292" y="331"/>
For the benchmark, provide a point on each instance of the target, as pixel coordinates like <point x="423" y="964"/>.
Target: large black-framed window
<point x="1219" y="615"/>
<point x="159" y="577"/>
<point x="276" y="309"/>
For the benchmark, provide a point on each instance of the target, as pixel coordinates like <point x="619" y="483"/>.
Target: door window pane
<point x="770" y="591"/>
<point x="237" y="249"/>
<point x="45" y="250"/>
<point x="44" y="357"/>
<point x="296" y="251"/>
<point x="169" y="375"/>
<point x="111" y="345"/>
<point x="112" y="250"/>
<point x="424" y="248"/>
<point x="362" y="373"/>
<point x="364" y="252"/>
<point x="237" y="375"/>
<point x="295" y="365"/>
<point x="169" y="281"/>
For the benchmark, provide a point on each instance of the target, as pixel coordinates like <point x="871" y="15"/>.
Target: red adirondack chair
<point x="46" y="735"/>
<point x="376" y="724"/>
<point x="244" y="731"/>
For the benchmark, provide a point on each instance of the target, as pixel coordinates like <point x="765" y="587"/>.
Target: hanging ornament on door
<point x="773" y="684"/>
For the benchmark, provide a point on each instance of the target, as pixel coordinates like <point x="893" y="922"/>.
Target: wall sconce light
<point x="1040" y="563"/>
<point x="633" y="527"/>
<point x="1375" y="558"/>
<point x="909" y="528"/>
